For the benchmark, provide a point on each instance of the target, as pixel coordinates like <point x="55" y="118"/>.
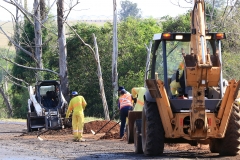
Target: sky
<point x="103" y="9"/>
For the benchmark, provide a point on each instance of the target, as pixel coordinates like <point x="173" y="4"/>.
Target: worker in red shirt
<point x="77" y="105"/>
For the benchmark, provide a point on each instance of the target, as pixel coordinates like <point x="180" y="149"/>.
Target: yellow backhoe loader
<point x="203" y="110"/>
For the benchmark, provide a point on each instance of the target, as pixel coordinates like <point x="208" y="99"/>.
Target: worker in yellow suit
<point x="138" y="93"/>
<point x="175" y="84"/>
<point x="77" y="105"/>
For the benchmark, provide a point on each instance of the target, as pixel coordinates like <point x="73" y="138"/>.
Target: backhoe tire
<point x="152" y="130"/>
<point x="137" y="136"/>
<point x="214" y="145"/>
<point x="230" y="144"/>
<point x="129" y="135"/>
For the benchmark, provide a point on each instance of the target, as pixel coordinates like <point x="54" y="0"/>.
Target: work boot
<point x="122" y="139"/>
<point x="75" y="140"/>
<point x="82" y="140"/>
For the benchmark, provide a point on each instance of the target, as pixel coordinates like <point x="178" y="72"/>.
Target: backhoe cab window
<point x="174" y="51"/>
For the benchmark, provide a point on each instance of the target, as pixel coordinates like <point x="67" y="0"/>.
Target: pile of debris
<point x="110" y="128"/>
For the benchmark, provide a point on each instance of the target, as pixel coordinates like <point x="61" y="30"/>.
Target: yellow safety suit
<point x="138" y="92"/>
<point x="175" y="85"/>
<point x="77" y="105"/>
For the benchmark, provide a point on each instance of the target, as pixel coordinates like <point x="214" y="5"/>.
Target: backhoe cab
<point x="203" y="110"/>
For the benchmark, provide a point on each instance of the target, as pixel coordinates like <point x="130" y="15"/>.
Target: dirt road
<point x="17" y="145"/>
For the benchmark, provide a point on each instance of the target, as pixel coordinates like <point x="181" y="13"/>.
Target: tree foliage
<point x="180" y="23"/>
<point x="132" y="36"/>
<point x="129" y="9"/>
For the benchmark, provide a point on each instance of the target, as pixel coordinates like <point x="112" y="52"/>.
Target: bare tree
<point x="5" y="98"/>
<point x="62" y="50"/>
<point x="97" y="60"/>
<point x="38" y="35"/>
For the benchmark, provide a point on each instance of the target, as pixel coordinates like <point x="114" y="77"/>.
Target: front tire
<point x="152" y="130"/>
<point x="137" y="136"/>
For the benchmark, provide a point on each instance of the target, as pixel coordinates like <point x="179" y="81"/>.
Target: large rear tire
<point x="137" y="136"/>
<point x="230" y="144"/>
<point x="214" y="145"/>
<point x="152" y="130"/>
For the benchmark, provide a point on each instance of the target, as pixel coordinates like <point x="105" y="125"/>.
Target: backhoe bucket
<point x="132" y="117"/>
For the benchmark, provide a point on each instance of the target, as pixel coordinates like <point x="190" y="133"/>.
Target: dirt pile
<point x="112" y="129"/>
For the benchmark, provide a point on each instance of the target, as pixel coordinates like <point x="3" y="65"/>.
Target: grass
<point x="89" y="119"/>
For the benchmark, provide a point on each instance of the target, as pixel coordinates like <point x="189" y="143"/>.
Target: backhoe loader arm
<point x="199" y="70"/>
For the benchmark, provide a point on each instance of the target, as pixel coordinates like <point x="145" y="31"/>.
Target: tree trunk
<point x="62" y="50"/>
<point x="6" y="101"/>
<point x="104" y="101"/>
<point x="115" y="57"/>
<point x="38" y="36"/>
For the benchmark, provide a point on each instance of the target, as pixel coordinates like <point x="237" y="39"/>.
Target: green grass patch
<point x="89" y="119"/>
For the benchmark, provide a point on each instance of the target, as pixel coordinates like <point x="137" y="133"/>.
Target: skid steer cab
<point x="189" y="102"/>
<point x="46" y="106"/>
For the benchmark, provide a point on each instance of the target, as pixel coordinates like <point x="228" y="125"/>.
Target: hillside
<point x="8" y="28"/>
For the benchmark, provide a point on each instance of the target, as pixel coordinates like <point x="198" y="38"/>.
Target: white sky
<point x="103" y="9"/>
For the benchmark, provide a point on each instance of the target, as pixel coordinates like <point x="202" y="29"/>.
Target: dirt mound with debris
<point x="110" y="128"/>
<point x="104" y="124"/>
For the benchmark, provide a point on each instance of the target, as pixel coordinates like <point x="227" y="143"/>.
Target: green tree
<point x="180" y="23"/>
<point x="129" y="9"/>
<point x="132" y="36"/>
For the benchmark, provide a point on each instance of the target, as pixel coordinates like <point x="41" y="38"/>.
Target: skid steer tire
<point x="137" y="136"/>
<point x="152" y="130"/>
<point x="28" y="123"/>
<point x="214" y="145"/>
<point x="230" y="144"/>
